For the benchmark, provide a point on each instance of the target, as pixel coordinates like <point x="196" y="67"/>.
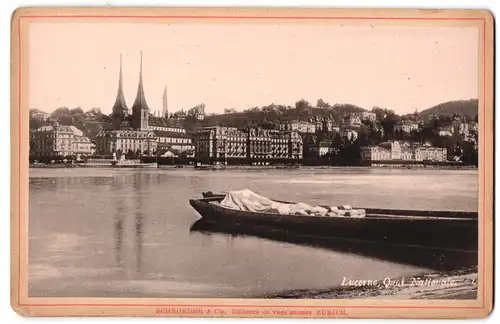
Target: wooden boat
<point x="431" y="229"/>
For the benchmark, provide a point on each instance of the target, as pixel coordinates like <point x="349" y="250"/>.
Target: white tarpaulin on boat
<point x="248" y="200"/>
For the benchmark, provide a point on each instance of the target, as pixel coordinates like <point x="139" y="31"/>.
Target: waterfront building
<point x="59" y="140"/>
<point x="397" y="151"/>
<point x="295" y="145"/>
<point x="179" y="141"/>
<point x="259" y="144"/>
<point x="82" y="145"/>
<point x="219" y="143"/>
<point x="124" y="140"/>
<point x="129" y="132"/>
<point x="427" y="152"/>
<point x="279" y="144"/>
<point x="316" y="147"/>
<point x="375" y="153"/>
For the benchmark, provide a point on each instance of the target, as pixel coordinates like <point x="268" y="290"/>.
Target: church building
<point x="129" y="132"/>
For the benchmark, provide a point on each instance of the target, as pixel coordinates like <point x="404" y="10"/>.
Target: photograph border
<point x="200" y="307"/>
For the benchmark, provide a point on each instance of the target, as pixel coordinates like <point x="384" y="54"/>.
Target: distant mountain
<point x="461" y="107"/>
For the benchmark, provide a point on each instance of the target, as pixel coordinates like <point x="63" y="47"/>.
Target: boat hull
<point x="385" y="226"/>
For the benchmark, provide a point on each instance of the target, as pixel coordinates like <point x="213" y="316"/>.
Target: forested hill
<point x="274" y="114"/>
<point x="460" y="107"/>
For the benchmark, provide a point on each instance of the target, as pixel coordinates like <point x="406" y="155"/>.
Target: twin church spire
<point x="140" y="109"/>
<point x="140" y="98"/>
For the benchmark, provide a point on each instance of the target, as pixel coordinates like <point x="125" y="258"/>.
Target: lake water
<point x="126" y="233"/>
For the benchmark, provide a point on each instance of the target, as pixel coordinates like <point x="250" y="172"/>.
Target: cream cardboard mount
<point x="75" y="251"/>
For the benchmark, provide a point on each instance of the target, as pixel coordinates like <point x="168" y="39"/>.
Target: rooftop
<point x="170" y="134"/>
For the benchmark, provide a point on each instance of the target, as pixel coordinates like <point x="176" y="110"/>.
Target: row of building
<point x="406" y="151"/>
<point x="223" y="143"/>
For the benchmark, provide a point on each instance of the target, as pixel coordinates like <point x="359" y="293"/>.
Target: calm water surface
<point x="105" y="232"/>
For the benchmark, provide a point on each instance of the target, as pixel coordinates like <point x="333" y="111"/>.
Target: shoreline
<point x="262" y="167"/>
<point x="454" y="284"/>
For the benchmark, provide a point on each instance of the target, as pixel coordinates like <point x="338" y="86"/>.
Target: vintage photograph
<point x="256" y="159"/>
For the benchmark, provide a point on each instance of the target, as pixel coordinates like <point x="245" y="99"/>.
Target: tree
<point x="96" y="111"/>
<point x="322" y="104"/>
<point x="76" y="111"/>
<point x="303" y="109"/>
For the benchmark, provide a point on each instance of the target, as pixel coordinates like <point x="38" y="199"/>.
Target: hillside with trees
<point x="272" y="115"/>
<point x="467" y="108"/>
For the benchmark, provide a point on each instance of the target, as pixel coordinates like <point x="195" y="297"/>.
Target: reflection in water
<point x="139" y="218"/>
<point x="120" y="211"/>
<point x="437" y="259"/>
<point x="132" y="200"/>
<point x="89" y="233"/>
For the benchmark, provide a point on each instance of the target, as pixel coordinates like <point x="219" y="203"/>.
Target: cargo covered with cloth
<point x="247" y="200"/>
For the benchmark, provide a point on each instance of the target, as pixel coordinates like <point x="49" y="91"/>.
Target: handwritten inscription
<point x="405" y="282"/>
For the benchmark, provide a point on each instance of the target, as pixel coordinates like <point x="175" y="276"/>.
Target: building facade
<point x="326" y="126"/>
<point x="407" y="126"/>
<point x="430" y="153"/>
<point x="302" y="127"/>
<point x="348" y="134"/>
<point x="39" y="115"/>
<point x="351" y="121"/>
<point x="124" y="141"/>
<point x="59" y="140"/>
<point x="375" y="153"/>
<point x="396" y="151"/>
<point x="218" y="143"/>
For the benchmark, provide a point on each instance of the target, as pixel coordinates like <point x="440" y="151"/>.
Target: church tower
<point x="140" y="109"/>
<point x="120" y="109"/>
<point x="165" y="103"/>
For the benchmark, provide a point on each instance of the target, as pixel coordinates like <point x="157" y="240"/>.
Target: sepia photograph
<point x="260" y="159"/>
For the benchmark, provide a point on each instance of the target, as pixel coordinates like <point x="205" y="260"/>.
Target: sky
<point x="246" y="65"/>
